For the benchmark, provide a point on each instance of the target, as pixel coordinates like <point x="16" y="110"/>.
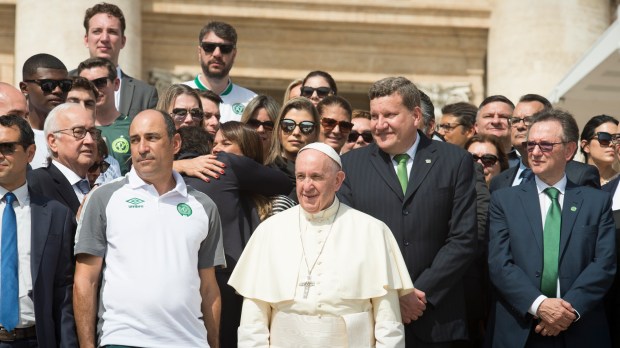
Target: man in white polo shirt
<point x="160" y="241"/>
<point x="217" y="49"/>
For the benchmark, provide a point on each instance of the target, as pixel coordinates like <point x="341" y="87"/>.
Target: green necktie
<point x="551" y="242"/>
<point x="401" y="170"/>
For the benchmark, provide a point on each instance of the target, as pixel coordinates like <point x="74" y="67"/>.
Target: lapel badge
<point x="428" y="160"/>
<point x="573" y="208"/>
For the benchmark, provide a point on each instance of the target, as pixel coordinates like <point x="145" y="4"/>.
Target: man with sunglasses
<point x="552" y="250"/>
<point x="71" y="139"/>
<point x="114" y="126"/>
<point x="217" y="49"/>
<point x="12" y="101"/>
<point x="45" y="84"/>
<point x="105" y="38"/>
<point x="36" y="268"/>
<point x="361" y="134"/>
<point x="529" y="104"/>
<point x="424" y="190"/>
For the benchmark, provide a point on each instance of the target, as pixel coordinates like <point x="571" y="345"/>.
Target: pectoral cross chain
<point x="307" y="284"/>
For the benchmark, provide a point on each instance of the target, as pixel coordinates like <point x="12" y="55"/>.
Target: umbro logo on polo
<point x="135" y="203"/>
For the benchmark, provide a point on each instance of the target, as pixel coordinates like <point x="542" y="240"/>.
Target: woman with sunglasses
<point x="183" y="104"/>
<point x="487" y="150"/>
<point x="105" y="169"/>
<point x="336" y="123"/>
<point x="318" y="85"/>
<point x="597" y="145"/>
<point x="260" y="114"/>
<point x="361" y="134"/>
<point x="297" y="125"/>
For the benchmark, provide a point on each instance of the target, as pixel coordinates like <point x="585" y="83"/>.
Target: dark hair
<point x="330" y="80"/>
<point x="26" y="135"/>
<point x="496" y="98"/>
<point x="106" y="8"/>
<point x="223" y="30"/>
<point x="102" y="148"/>
<point x="207" y="94"/>
<point x="261" y="101"/>
<point x="97" y="62"/>
<point x="536" y="98"/>
<point x="464" y="112"/>
<point x="80" y="82"/>
<point x="41" y="60"/>
<point x="493" y="140"/>
<point x="195" y="140"/>
<point x="570" y="130"/>
<point x="334" y="100"/>
<point x="428" y="109"/>
<point x="245" y="137"/>
<point x="588" y="130"/>
<point x="357" y="113"/>
<point x="390" y="85"/>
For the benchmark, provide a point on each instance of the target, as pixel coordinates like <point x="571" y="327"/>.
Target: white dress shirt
<point x="71" y="177"/>
<point x="411" y="152"/>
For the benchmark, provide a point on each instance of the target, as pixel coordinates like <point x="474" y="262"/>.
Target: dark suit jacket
<point x="434" y="223"/>
<point x="50" y="182"/>
<point x="612" y="302"/>
<point x="586" y="267"/>
<point x="51" y="266"/>
<point x="580" y="173"/>
<point x="136" y="96"/>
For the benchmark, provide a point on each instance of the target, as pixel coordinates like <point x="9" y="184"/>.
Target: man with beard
<point x="217" y="49"/>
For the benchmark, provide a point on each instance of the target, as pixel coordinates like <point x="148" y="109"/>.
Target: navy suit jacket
<point x="580" y="173"/>
<point x="586" y="267"/>
<point x="50" y="182"/>
<point x="136" y="96"/>
<point x="52" y="265"/>
<point x="434" y="223"/>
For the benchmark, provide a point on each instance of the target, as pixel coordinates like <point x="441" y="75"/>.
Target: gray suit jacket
<point x="136" y="96"/>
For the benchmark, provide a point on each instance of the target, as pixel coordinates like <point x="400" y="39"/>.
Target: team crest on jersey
<point x="135" y="203"/>
<point x="184" y="209"/>
<point x="238" y="108"/>
<point x="120" y="145"/>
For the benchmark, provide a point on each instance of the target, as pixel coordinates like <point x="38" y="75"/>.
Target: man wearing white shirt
<point x="552" y="249"/>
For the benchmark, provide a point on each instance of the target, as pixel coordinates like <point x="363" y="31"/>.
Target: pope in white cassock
<point x="321" y="274"/>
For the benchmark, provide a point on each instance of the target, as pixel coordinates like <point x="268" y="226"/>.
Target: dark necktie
<point x="84" y="186"/>
<point x="526" y="175"/>
<point x="401" y="170"/>
<point x="9" y="288"/>
<point x="551" y="242"/>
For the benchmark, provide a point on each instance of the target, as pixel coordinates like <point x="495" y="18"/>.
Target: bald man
<point x="12" y="101"/>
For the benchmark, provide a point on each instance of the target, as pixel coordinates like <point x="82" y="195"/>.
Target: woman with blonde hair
<point x="260" y="114"/>
<point x="183" y="104"/>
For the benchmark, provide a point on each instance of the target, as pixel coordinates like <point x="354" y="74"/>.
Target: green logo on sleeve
<point x="184" y="209"/>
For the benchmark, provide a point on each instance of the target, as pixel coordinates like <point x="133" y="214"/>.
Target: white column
<point x="56" y="27"/>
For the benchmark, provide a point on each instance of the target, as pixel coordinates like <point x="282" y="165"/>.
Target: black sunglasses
<point x="102" y="166"/>
<point x="180" y="114"/>
<point x="321" y="92"/>
<point x="605" y="139"/>
<point x="488" y="160"/>
<point x="544" y="146"/>
<point x="305" y="127"/>
<point x="209" y="47"/>
<point x="254" y="123"/>
<point x="49" y="85"/>
<point x="8" y="148"/>
<point x="330" y="123"/>
<point x="366" y="136"/>
<point x="100" y="82"/>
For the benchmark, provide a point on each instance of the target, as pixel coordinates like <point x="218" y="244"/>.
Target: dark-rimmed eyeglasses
<point x="80" y="132"/>
<point x="267" y="125"/>
<point x="101" y="166"/>
<point x="49" y="85"/>
<point x="447" y="127"/>
<point x="329" y="124"/>
<point x="488" y="160"/>
<point x="8" y="148"/>
<point x="366" y="136"/>
<point x="100" y="82"/>
<point x="305" y="127"/>
<point x="209" y="47"/>
<point x="527" y="121"/>
<point x="180" y="114"/>
<point x="544" y="146"/>
<point x="321" y="92"/>
<point x="606" y="139"/>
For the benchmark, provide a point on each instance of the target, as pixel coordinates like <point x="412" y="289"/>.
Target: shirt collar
<point x="21" y="193"/>
<point x="413" y="149"/>
<point x="136" y="181"/>
<point x="202" y="87"/>
<point x="325" y="213"/>
<point x="560" y="185"/>
<point x="119" y="73"/>
<point x="68" y="173"/>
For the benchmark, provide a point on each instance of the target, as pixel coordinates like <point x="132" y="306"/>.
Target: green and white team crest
<point x="238" y="108"/>
<point x="135" y="202"/>
<point x="120" y="145"/>
<point x="184" y="209"/>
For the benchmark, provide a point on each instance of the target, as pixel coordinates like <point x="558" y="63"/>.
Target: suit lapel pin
<point x="573" y="208"/>
<point x="428" y="160"/>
